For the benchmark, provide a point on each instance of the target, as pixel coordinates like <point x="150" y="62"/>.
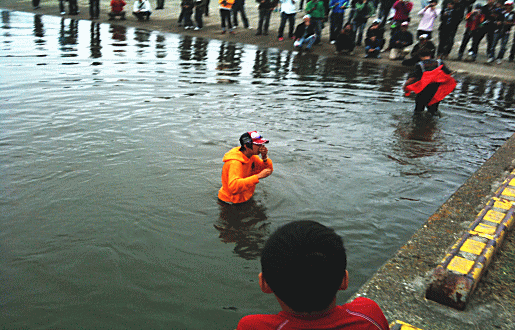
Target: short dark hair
<point x="245" y="141"/>
<point x="304" y="264"/>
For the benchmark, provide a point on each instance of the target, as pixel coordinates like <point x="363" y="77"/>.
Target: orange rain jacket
<point x="239" y="177"/>
<point x="226" y="4"/>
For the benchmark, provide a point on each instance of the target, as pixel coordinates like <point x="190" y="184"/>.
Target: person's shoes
<point x="179" y="24"/>
<point x="265" y="34"/>
<point x="333" y="42"/>
<point x="499" y="61"/>
<point x="235" y="27"/>
<point x="197" y="28"/>
<point x="159" y="8"/>
<point x="510" y="59"/>
<point x="248" y="28"/>
<point x="471" y="53"/>
<point x="258" y="33"/>
<point x="358" y="43"/>
<point x="378" y="56"/>
<point x="490" y="60"/>
<point x="223" y="31"/>
<point x="63" y="13"/>
<point x="231" y="32"/>
<point x="36" y="7"/>
<point x="281" y="39"/>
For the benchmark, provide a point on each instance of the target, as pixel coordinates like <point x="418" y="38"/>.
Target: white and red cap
<point x="257" y="138"/>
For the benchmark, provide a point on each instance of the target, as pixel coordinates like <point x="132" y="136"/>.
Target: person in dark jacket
<point x="449" y="21"/>
<point x="265" y="12"/>
<point x="400" y="42"/>
<point x="376" y="30"/>
<point x="431" y="81"/>
<point x="304" y="34"/>
<point x="423" y="44"/>
<point x="346" y="40"/>
<point x="239" y="7"/>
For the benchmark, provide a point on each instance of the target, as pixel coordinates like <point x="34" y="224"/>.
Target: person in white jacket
<point x="428" y="14"/>
<point x="142" y="10"/>
<point x="288" y="12"/>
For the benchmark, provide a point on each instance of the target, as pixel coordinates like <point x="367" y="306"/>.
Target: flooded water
<point x="112" y="140"/>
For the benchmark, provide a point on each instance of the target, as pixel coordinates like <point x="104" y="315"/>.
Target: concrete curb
<point x="456" y="277"/>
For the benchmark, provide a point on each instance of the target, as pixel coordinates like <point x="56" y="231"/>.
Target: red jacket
<point x="447" y="84"/>
<point x="117" y="5"/>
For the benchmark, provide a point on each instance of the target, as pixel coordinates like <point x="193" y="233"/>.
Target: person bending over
<point x="243" y="168"/>
<point x="303" y="264"/>
<point x="431" y="81"/>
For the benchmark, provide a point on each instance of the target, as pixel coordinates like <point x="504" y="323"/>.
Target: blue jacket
<point x="336" y="5"/>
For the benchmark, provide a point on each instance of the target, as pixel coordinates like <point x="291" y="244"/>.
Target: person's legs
<point x="282" y="25"/>
<point x="235" y="10"/>
<point x="477" y="36"/>
<point x="318" y="29"/>
<point x="335" y="25"/>
<point x="61" y="7"/>
<point x="504" y="41"/>
<point x="244" y="17"/>
<point x="512" y="51"/>
<point x="361" y="27"/>
<point x="222" y="19"/>
<point x="310" y="41"/>
<point x="466" y="38"/>
<point x="490" y="47"/>
<point x="187" y="17"/>
<point x="433" y="108"/>
<point x="260" y="22"/>
<point x="198" y="17"/>
<point x="291" y="21"/>
<point x="425" y="96"/>
<point x="268" y="14"/>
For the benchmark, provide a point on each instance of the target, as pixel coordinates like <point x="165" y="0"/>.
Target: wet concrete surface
<point x="399" y="286"/>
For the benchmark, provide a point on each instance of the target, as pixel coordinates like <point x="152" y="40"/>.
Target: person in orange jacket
<point x="225" y="14"/>
<point x="243" y="168"/>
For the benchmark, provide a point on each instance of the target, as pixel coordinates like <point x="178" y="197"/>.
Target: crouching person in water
<point x="303" y="264"/>
<point x="243" y="168"/>
<point x="431" y="81"/>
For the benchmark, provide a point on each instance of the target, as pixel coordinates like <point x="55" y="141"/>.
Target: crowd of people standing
<point x="378" y="25"/>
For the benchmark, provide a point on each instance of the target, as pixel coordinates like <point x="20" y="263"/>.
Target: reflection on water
<point x="111" y="160"/>
<point x="245" y="225"/>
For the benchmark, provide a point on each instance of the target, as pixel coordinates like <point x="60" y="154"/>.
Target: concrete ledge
<point x="456" y="277"/>
<point x="400" y="285"/>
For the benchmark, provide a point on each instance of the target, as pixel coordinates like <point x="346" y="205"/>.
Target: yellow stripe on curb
<point x="473" y="246"/>
<point x="458" y="274"/>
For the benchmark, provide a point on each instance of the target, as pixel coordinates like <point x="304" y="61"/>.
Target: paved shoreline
<point x="166" y="20"/>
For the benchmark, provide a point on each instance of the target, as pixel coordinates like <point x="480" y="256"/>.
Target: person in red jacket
<point x="117" y="9"/>
<point x="304" y="264"/>
<point x="243" y="168"/>
<point x="431" y="81"/>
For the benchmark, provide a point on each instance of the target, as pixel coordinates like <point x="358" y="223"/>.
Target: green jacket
<point x="316" y="9"/>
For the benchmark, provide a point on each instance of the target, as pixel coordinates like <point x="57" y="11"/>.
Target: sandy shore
<point x="166" y="20"/>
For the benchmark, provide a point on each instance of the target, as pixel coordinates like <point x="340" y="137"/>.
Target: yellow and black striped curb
<point x="399" y="325"/>
<point x="456" y="277"/>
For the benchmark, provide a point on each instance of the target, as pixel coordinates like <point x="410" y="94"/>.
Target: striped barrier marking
<point x="456" y="277"/>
